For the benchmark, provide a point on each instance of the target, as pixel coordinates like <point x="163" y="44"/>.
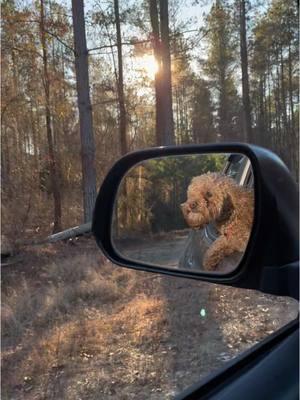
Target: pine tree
<point x="85" y="111"/>
<point x="219" y="68"/>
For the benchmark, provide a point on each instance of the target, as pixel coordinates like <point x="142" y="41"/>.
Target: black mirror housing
<point x="274" y="239"/>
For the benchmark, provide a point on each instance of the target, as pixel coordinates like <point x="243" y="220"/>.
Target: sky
<point x="190" y="14"/>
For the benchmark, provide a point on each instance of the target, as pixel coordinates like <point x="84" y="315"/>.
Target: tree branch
<point x="49" y="32"/>
<point x="104" y="102"/>
<point x="123" y="44"/>
<point x="60" y="41"/>
<point x="132" y="43"/>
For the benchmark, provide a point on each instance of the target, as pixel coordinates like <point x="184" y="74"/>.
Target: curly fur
<point x="217" y="198"/>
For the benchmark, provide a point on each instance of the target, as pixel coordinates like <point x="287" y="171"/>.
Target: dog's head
<point x="205" y="200"/>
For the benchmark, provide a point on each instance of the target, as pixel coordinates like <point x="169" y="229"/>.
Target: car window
<point x="236" y="167"/>
<point x="249" y="182"/>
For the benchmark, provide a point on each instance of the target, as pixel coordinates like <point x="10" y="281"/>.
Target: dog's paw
<point x="209" y="264"/>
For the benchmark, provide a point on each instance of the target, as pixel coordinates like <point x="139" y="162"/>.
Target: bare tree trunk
<point x="163" y="87"/>
<point x="287" y="144"/>
<point x="281" y="124"/>
<point x="19" y="139"/>
<point x="76" y="231"/>
<point x="85" y="111"/>
<point x="166" y="102"/>
<point x="261" y="122"/>
<point x="291" y="90"/>
<point x="245" y="76"/>
<point x="120" y="84"/>
<point x="35" y="146"/>
<point x="121" y="101"/>
<point x="157" y="80"/>
<point x="223" y="106"/>
<point x="5" y="160"/>
<point x="294" y="132"/>
<point x="283" y="93"/>
<point x="52" y="158"/>
<point x="269" y="119"/>
<point x="178" y="138"/>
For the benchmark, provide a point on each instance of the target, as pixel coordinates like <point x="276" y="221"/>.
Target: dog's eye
<point x="208" y="195"/>
<point x="193" y="205"/>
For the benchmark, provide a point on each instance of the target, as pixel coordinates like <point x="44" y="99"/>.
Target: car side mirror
<point x="187" y="212"/>
<point x="223" y="213"/>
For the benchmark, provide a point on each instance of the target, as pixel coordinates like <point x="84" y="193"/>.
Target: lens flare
<point x="147" y="64"/>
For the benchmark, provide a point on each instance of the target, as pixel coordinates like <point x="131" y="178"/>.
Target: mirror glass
<point x="186" y="212"/>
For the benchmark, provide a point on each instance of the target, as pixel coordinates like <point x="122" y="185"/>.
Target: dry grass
<point x="76" y="327"/>
<point x="258" y="315"/>
<point x="72" y="317"/>
<point x="60" y="291"/>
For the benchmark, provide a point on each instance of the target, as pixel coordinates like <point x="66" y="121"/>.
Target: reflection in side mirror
<point x="187" y="212"/>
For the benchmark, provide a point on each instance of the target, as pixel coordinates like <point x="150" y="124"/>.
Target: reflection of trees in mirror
<point x="154" y="191"/>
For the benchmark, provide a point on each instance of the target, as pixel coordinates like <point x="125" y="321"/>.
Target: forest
<point x="84" y="83"/>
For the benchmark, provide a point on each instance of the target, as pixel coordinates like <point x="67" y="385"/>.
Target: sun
<point x="147" y="64"/>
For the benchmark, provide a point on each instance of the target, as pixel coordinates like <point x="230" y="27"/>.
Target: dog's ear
<point x="227" y="209"/>
<point x="208" y="195"/>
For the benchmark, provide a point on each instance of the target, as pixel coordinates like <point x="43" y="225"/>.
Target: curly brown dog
<point x="217" y="198"/>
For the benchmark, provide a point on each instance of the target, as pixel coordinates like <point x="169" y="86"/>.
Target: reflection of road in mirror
<point x="162" y="249"/>
<point x="187" y="246"/>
